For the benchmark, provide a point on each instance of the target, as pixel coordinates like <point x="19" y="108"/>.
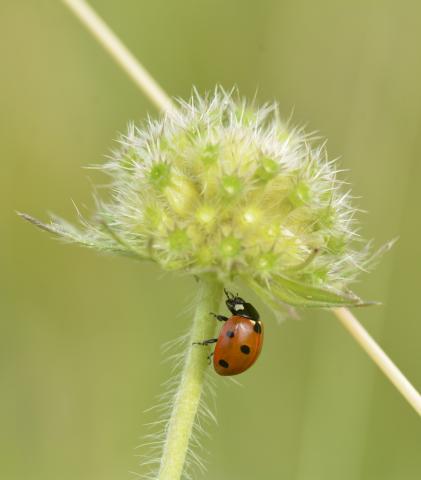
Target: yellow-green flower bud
<point x="227" y="188"/>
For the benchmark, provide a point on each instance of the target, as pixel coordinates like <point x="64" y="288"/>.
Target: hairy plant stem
<point x="187" y="397"/>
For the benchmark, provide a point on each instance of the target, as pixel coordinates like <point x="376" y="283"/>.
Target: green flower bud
<point x="224" y="187"/>
<point x="231" y="185"/>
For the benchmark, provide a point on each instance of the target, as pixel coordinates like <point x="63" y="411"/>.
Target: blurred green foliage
<point x="80" y="333"/>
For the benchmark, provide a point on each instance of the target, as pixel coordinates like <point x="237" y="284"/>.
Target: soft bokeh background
<point x="80" y="333"/>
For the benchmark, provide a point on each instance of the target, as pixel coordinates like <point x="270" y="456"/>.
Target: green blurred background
<point x="81" y="333"/>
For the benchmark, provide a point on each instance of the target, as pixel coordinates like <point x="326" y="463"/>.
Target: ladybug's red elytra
<point x="240" y="340"/>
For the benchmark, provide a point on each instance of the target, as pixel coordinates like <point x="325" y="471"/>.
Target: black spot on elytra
<point x="257" y="327"/>
<point x="245" y="349"/>
<point x="223" y="363"/>
<point x="230" y="333"/>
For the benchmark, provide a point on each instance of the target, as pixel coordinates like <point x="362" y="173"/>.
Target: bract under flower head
<point x="224" y="187"/>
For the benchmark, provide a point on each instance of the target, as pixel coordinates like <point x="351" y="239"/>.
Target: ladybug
<point x="240" y="340"/>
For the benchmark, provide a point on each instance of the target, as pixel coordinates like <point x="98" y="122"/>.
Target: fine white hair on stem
<point x="153" y="442"/>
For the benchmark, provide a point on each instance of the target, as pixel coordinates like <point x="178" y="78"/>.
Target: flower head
<point x="224" y="187"/>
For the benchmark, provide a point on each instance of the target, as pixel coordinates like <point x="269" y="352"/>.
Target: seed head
<point x="224" y="187"/>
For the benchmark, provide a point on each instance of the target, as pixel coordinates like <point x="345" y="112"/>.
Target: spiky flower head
<point x="221" y="186"/>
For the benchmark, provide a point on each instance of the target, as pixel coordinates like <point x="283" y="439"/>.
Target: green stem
<point x="187" y="397"/>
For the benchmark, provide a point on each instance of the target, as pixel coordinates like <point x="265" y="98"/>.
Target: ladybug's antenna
<point x="228" y="294"/>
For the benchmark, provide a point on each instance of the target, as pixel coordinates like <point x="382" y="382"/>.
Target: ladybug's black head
<point x="237" y="306"/>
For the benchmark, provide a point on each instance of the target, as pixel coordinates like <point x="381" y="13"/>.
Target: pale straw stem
<point x="379" y="357"/>
<point x="115" y="47"/>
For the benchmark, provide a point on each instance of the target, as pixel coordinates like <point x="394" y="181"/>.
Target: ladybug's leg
<point x="220" y="318"/>
<point x="206" y="342"/>
<point x="210" y="357"/>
